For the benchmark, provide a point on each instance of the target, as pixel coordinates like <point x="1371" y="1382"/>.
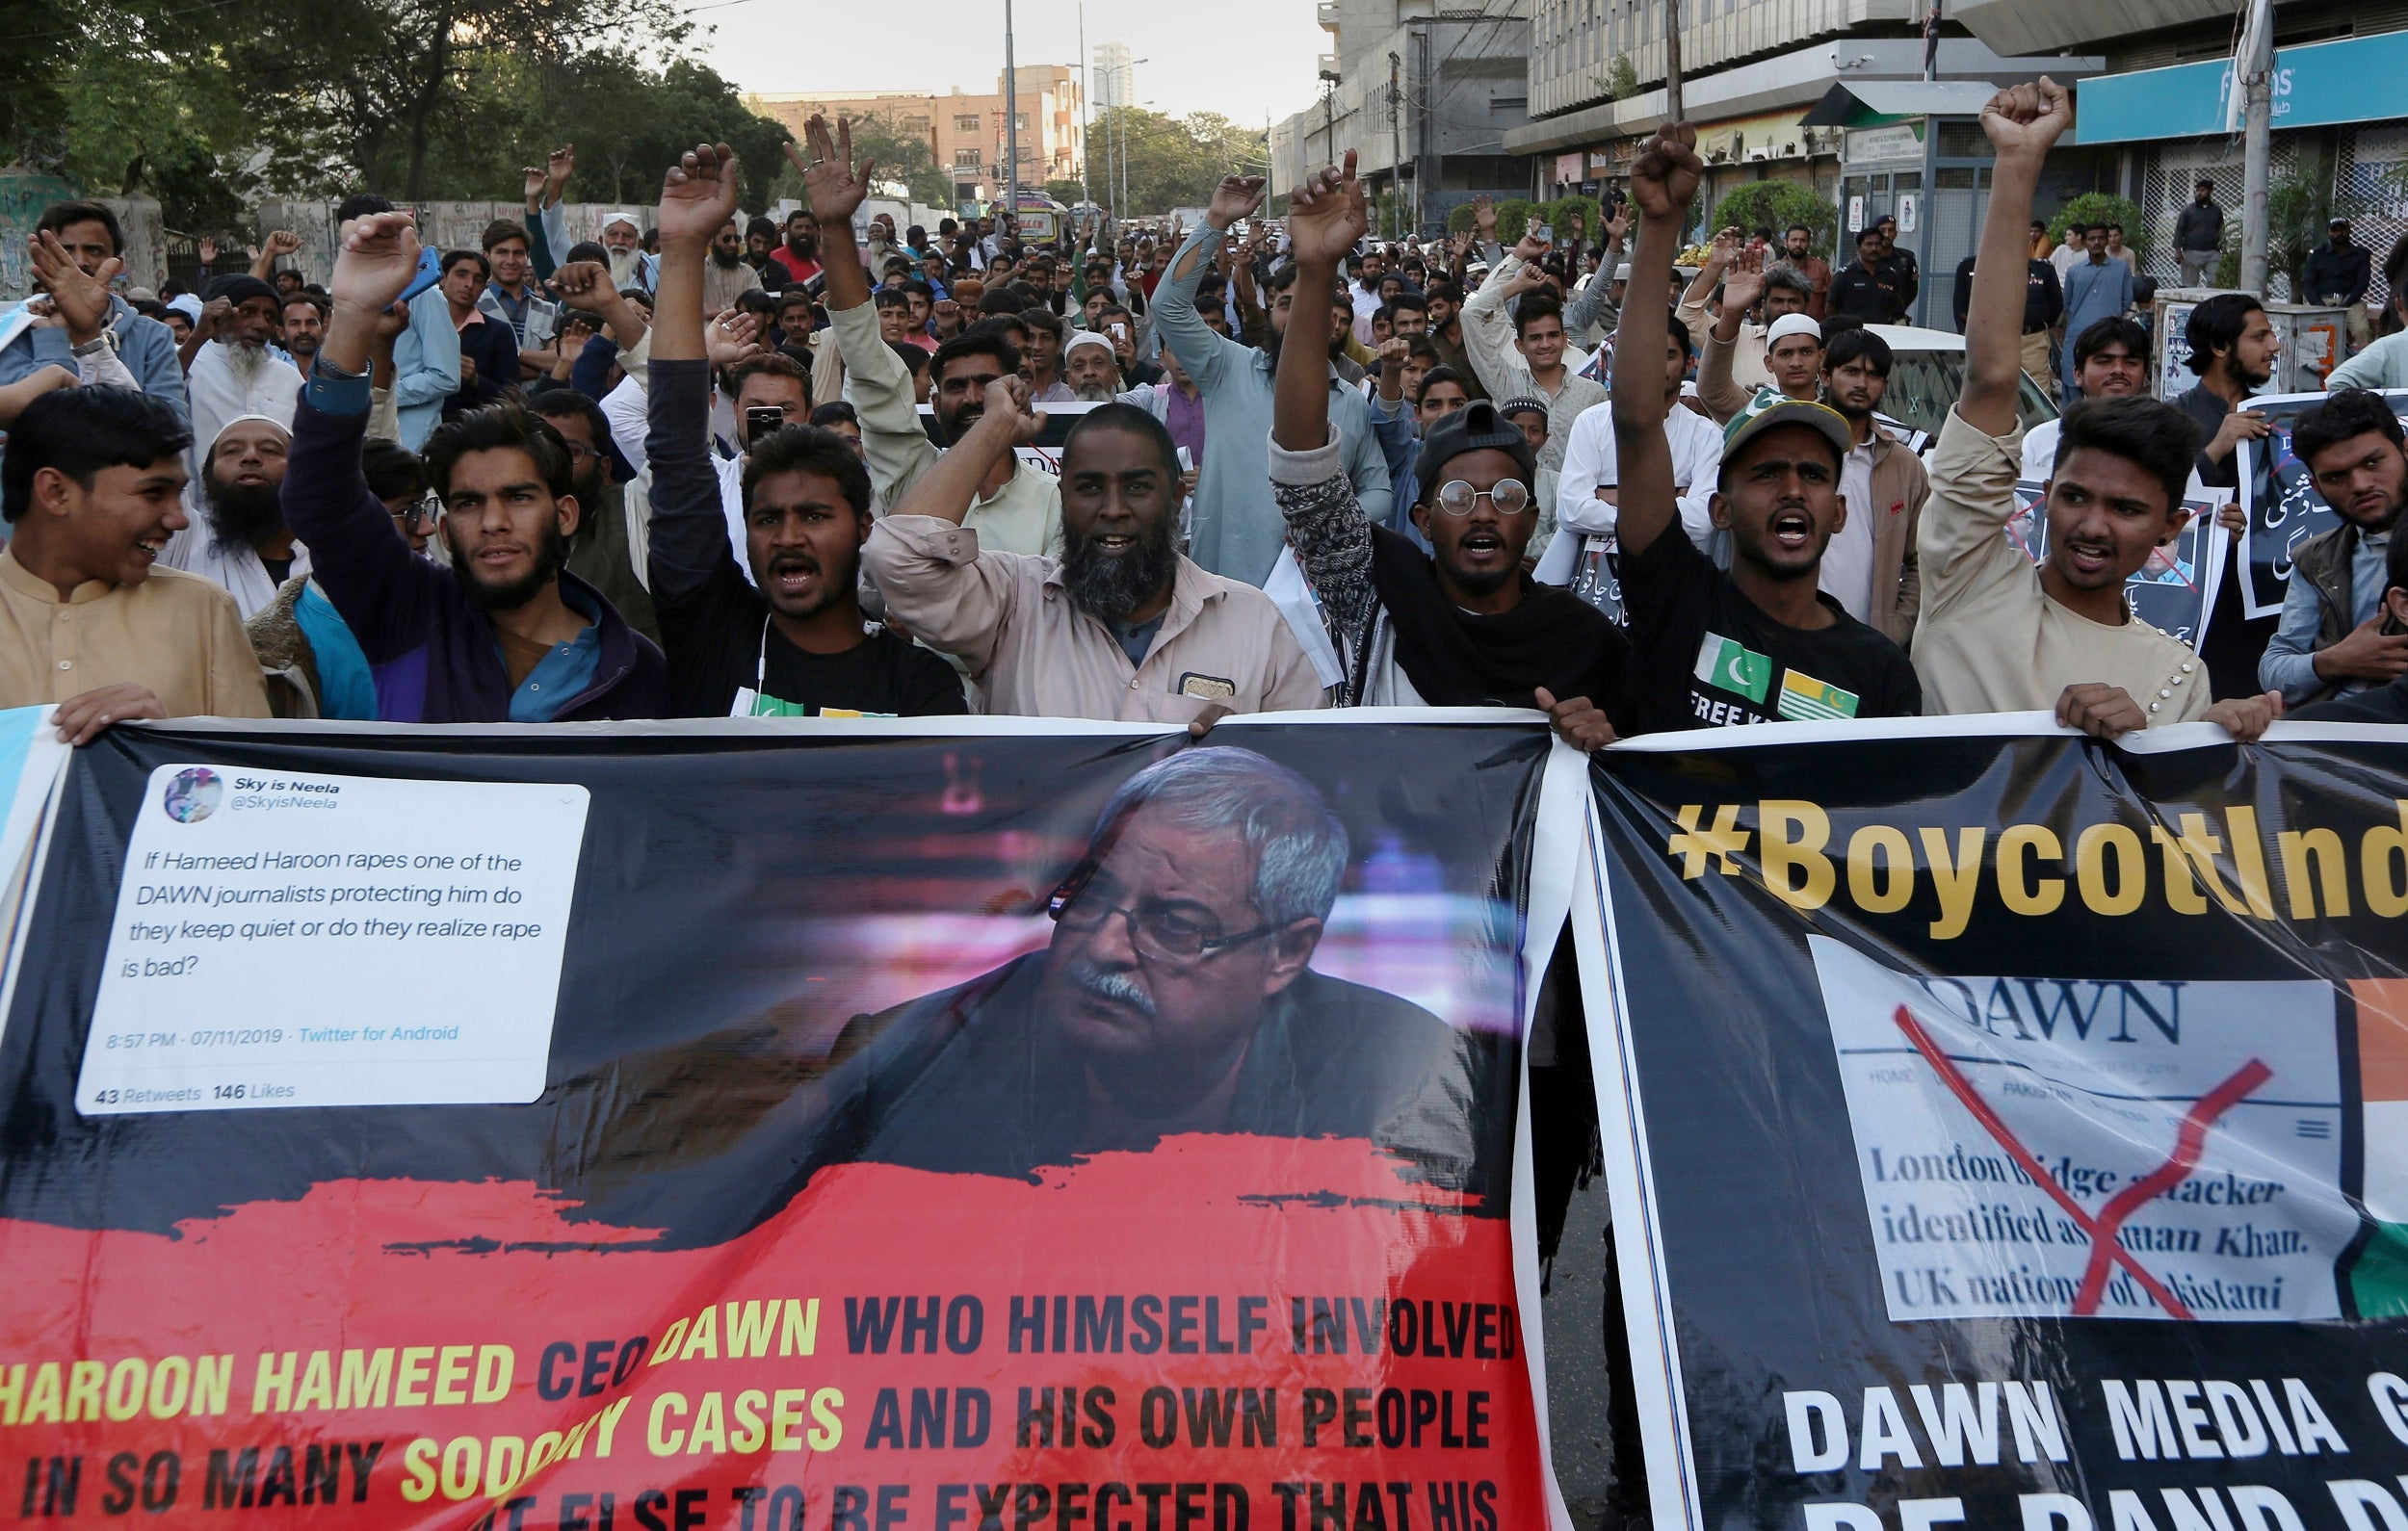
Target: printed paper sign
<point x="2096" y="1148"/>
<point x="291" y="939"/>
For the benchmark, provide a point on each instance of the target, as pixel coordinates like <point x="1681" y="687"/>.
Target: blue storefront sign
<point x="2354" y="80"/>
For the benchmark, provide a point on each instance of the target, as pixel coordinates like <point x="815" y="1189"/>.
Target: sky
<point x="1239" y="58"/>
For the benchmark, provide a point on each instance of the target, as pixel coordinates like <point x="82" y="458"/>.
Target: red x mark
<point x="2190" y="1142"/>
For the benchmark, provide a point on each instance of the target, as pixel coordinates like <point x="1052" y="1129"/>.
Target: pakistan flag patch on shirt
<point x="1734" y="667"/>
<point x="1729" y="665"/>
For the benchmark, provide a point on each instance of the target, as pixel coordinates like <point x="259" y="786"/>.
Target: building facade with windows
<point x="1426" y="92"/>
<point x="1753" y="72"/>
<point x="965" y="131"/>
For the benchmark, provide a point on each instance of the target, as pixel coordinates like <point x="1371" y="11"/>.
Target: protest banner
<point x="2003" y="1128"/>
<point x="2279" y="498"/>
<point x="2173" y="592"/>
<point x="861" y="1126"/>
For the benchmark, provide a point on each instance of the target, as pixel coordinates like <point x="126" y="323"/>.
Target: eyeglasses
<point x="423" y="513"/>
<point x="1510" y="497"/>
<point x="1157" y="933"/>
<point x="578" y="449"/>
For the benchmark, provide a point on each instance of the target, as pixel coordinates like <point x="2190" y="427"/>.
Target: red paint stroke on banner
<point x="589" y="1378"/>
<point x="2190" y="1142"/>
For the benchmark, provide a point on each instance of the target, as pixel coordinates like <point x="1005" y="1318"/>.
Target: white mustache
<point x="1110" y="984"/>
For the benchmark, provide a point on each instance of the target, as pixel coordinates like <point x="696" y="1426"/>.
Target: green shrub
<point x="1776" y="205"/>
<point x="2099" y="207"/>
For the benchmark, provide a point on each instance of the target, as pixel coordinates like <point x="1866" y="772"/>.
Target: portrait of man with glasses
<point x="1176" y="995"/>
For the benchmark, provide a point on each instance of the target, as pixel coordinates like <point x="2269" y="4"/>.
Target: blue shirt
<point x="563" y="674"/>
<point x="346" y="689"/>
<point x="2093" y="291"/>
<point x="2288" y="665"/>
<point x="1237" y="529"/>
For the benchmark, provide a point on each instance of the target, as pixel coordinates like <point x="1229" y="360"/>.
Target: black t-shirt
<point x="2209" y="409"/>
<point x="715" y="625"/>
<point x="717" y="643"/>
<point x="1704" y="655"/>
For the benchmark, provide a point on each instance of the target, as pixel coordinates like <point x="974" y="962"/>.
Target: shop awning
<point x="2321" y="84"/>
<point x="1867" y="103"/>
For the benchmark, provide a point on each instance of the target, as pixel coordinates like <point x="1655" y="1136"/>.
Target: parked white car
<point x="1927" y="372"/>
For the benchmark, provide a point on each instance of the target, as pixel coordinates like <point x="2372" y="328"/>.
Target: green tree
<point x="2093" y="208"/>
<point x="407" y="95"/>
<point x="904" y="153"/>
<point x="1777" y="205"/>
<point x="1173" y="162"/>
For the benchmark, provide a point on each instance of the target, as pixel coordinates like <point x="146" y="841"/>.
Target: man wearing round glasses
<point x="1175" y="996"/>
<point x="1462" y="625"/>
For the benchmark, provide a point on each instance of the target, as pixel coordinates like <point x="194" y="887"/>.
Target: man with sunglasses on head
<point x="1462" y="625"/>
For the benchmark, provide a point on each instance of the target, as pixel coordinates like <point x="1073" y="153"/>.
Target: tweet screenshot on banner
<point x="285" y="939"/>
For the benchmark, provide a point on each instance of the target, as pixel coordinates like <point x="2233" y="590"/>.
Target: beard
<point x="624" y="268"/>
<point x="726" y="260"/>
<point x="1110" y="585"/>
<point x="958" y="424"/>
<point x="550" y="555"/>
<point x="246" y="359"/>
<point x="303" y="346"/>
<point x="804" y="246"/>
<point x="242" y="516"/>
<point x="1094" y="393"/>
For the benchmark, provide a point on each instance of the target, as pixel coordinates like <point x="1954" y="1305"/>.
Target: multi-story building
<point x="2340" y="141"/>
<point x="1754" y="73"/>
<point x="1112" y="77"/>
<point x="965" y="132"/>
<point x="1424" y="93"/>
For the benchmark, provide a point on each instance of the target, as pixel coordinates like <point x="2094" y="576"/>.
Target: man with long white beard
<point x="630" y="265"/>
<point x="238" y="541"/>
<point x="236" y="373"/>
<point x="1092" y="368"/>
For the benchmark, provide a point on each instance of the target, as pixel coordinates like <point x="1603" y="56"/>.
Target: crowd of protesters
<point x="823" y="466"/>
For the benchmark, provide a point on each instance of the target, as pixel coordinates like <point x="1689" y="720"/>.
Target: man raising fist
<point x="505" y="634"/>
<point x="1993" y="639"/>
<point x="790" y="641"/>
<point x="1462" y="627"/>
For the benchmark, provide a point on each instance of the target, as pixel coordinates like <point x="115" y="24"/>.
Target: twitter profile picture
<point x="193" y="794"/>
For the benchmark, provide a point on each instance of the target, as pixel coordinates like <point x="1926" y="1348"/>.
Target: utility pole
<point x="1433" y="164"/>
<point x="1672" y="61"/>
<point x="1085" y="82"/>
<point x="2253" y="75"/>
<point x="1011" y="131"/>
<point x="1419" y="40"/>
<point x="1395" y="145"/>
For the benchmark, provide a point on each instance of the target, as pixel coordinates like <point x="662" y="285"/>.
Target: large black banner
<point x="2006" y="1129"/>
<point x="846" y="1128"/>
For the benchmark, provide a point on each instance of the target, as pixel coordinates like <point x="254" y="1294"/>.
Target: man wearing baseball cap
<point x="1761" y="642"/>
